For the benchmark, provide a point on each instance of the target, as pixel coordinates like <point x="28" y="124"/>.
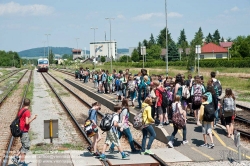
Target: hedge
<point x="237" y="63"/>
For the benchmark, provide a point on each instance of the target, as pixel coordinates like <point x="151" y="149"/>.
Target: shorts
<point x="25" y="141"/>
<point x="112" y="138"/>
<point x="159" y="110"/>
<point x="196" y="107"/>
<point x="228" y="120"/>
<point x="119" y="93"/>
<point x="206" y="127"/>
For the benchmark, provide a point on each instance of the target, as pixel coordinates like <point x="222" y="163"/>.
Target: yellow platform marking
<point x="210" y="158"/>
<point x="223" y="144"/>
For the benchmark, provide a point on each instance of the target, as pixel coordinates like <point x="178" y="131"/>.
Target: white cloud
<point x="17" y="9"/>
<point x="148" y="16"/>
<point x="120" y="16"/>
<point x="234" y="9"/>
<point x="174" y="14"/>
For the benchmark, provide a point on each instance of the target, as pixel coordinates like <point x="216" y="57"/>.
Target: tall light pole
<point x="228" y="53"/>
<point x="166" y="58"/>
<point x="94" y="42"/>
<point x="110" y="40"/>
<point x="77" y="46"/>
<point x="44" y="49"/>
<point x="48" y="43"/>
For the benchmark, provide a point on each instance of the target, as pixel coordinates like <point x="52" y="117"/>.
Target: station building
<point x="103" y="48"/>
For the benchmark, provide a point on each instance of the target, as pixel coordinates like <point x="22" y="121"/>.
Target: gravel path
<point x="46" y="106"/>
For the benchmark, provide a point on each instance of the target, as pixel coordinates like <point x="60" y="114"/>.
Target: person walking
<point x="176" y="106"/>
<point x="25" y="121"/>
<point x="125" y="130"/>
<point x="148" y="120"/>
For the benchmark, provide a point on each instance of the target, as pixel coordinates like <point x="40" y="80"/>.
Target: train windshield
<point x="42" y="62"/>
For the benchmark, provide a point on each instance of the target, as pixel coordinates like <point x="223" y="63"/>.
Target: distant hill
<point x="39" y="52"/>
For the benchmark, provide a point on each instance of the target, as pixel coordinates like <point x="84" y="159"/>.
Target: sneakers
<point x="160" y="125"/>
<point x="124" y="155"/>
<point x="135" y="151"/>
<point x="204" y="145"/>
<point x="102" y="157"/>
<point x="96" y="154"/>
<point x="112" y="151"/>
<point x="142" y="153"/>
<point x="90" y="149"/>
<point x="170" y="143"/>
<point x="148" y="152"/>
<point x="15" y="160"/>
<point x="185" y="142"/>
<point x="211" y="146"/>
<point x="166" y="123"/>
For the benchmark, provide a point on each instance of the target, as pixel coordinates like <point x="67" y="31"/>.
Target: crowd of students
<point x="160" y="98"/>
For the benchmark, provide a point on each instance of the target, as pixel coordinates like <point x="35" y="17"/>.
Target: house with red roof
<point x="213" y="51"/>
<point x="77" y="53"/>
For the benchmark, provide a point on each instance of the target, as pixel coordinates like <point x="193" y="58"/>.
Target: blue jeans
<point x="128" y="134"/>
<point x="216" y="113"/>
<point x="86" y="79"/>
<point x="176" y="130"/>
<point x="145" y="132"/>
<point x="139" y="96"/>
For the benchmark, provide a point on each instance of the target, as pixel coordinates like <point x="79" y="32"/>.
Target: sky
<point x="24" y="23"/>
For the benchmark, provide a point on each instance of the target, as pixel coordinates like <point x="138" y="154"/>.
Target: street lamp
<point x="166" y="58"/>
<point x="110" y="41"/>
<point x="44" y="49"/>
<point x="77" y="46"/>
<point x="94" y="28"/>
<point x="180" y="54"/>
<point x="48" y="43"/>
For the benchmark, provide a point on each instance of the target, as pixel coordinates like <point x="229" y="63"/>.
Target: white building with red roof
<point x="77" y="53"/>
<point x="213" y="51"/>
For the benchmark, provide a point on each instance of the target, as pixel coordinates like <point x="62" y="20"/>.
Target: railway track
<point x="161" y="162"/>
<point x="8" y="75"/>
<point x="243" y="122"/>
<point x="9" y="110"/>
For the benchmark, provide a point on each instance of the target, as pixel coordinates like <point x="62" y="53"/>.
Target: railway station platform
<point x="224" y="146"/>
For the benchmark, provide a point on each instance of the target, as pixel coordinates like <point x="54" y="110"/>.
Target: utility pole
<point x="166" y="57"/>
<point x="110" y="40"/>
<point x="94" y="43"/>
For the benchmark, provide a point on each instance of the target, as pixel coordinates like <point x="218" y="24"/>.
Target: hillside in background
<point x="39" y="52"/>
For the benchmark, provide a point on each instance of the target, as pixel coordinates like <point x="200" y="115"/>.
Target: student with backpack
<point x="132" y="89"/>
<point x="196" y="94"/>
<point x="216" y="83"/>
<point x="228" y="108"/>
<point x="176" y="107"/>
<point x="112" y="133"/>
<point x="93" y="117"/>
<point x="142" y="87"/>
<point x="24" y="126"/>
<point x="148" y="128"/>
<point x="207" y="117"/>
<point x="125" y="130"/>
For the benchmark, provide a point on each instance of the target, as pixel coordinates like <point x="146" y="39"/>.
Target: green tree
<point x="222" y="39"/>
<point x="216" y="37"/>
<point x="161" y="39"/>
<point x="139" y="50"/>
<point x="66" y="56"/>
<point x="198" y="37"/>
<point x="103" y="59"/>
<point x="229" y="39"/>
<point x="182" y="40"/>
<point x="209" y="38"/>
<point x="125" y="58"/>
<point x="145" y="43"/>
<point x="135" y="56"/>
<point x="153" y="52"/>
<point x="51" y="57"/>
<point x="173" y="54"/>
<point x="151" y="41"/>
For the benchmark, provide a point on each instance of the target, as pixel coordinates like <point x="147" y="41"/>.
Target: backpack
<point x="197" y="95"/>
<point x="228" y="104"/>
<point x="209" y="112"/>
<point x="177" y="119"/>
<point x="185" y="92"/>
<point x="15" y="126"/>
<point x="219" y="87"/>
<point x="106" y="122"/>
<point x="117" y="82"/>
<point x="89" y="128"/>
<point x="131" y="86"/>
<point x="165" y="98"/>
<point x="138" y="123"/>
<point x="179" y="91"/>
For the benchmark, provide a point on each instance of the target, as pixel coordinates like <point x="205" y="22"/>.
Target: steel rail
<point x="5" y="161"/>
<point x="10" y="74"/>
<point x="69" y="112"/>
<point x="161" y="162"/>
